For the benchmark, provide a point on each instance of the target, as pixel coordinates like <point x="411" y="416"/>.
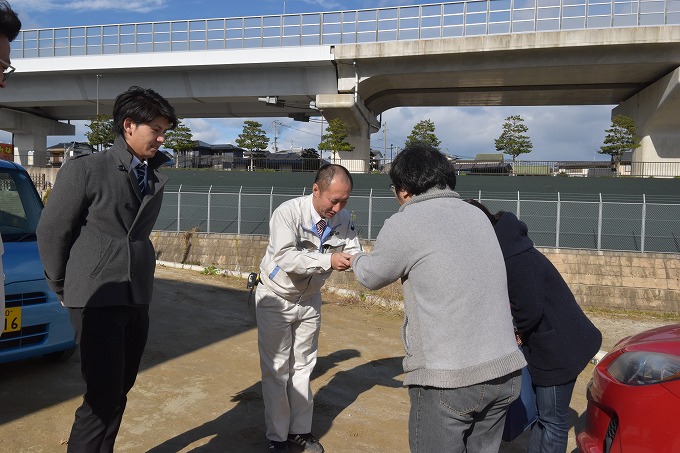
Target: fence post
<point x="599" y="225"/>
<point x="271" y="203"/>
<point x="179" y="204"/>
<point x="518" y="205"/>
<point x="238" y="214"/>
<point x="644" y="221"/>
<point x="557" y="224"/>
<point x="370" y="213"/>
<point x="208" y="219"/>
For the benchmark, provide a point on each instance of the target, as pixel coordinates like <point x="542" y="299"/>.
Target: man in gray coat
<point x="93" y="238"/>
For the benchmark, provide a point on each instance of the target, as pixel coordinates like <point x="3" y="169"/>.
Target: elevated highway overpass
<point x="634" y="67"/>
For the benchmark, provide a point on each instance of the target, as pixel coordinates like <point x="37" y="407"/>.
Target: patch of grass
<point x="210" y="270"/>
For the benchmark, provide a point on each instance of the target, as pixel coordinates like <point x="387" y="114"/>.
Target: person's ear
<point x="127" y="125"/>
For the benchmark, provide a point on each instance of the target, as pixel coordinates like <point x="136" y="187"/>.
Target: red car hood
<point x="664" y="339"/>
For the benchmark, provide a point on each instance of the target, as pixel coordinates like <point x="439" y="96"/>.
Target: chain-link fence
<point x="555" y="220"/>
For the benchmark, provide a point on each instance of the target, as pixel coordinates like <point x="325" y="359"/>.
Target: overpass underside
<point x="633" y="68"/>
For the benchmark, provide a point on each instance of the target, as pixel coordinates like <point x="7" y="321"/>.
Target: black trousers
<point x="112" y="340"/>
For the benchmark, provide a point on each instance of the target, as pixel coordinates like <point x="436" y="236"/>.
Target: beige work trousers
<point x="288" y="339"/>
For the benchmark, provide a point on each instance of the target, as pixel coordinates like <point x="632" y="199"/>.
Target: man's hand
<point x="340" y="261"/>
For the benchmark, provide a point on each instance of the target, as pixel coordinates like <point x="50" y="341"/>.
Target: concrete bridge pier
<point x="655" y="112"/>
<point x="30" y="134"/>
<point x="360" y="122"/>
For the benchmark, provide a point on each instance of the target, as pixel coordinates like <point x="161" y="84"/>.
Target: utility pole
<point x="384" y="128"/>
<point x="98" y="76"/>
<point x="320" y="140"/>
<point x="274" y="123"/>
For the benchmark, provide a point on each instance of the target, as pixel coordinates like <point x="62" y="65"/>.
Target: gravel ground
<point x="199" y="387"/>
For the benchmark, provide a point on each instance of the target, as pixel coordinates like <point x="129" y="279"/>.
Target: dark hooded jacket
<point x="558" y="339"/>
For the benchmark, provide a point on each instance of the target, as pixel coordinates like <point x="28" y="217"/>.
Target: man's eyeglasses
<point x="8" y="69"/>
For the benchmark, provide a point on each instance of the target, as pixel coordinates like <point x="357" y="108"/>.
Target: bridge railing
<point x="435" y="20"/>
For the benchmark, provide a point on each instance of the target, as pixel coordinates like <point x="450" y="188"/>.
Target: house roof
<point x="61" y="147"/>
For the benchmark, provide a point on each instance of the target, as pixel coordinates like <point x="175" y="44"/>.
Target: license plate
<point x="12" y="319"/>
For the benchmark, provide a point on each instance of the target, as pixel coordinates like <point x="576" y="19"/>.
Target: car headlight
<point x="643" y="368"/>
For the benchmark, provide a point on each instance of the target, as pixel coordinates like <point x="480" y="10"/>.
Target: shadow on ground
<point x="241" y="429"/>
<point x="179" y="307"/>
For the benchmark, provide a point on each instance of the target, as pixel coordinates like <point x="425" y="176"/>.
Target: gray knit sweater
<point x="457" y="327"/>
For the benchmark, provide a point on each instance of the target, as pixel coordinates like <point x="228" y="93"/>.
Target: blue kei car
<point x="36" y="324"/>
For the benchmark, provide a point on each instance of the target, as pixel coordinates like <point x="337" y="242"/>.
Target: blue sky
<point x="557" y="133"/>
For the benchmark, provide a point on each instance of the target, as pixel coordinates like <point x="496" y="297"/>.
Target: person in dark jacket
<point x="558" y="338"/>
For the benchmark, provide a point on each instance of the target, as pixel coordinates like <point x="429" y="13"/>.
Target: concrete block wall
<point x="621" y="280"/>
<point x="604" y="279"/>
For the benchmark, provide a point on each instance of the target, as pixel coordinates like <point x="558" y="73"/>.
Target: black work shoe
<point x="278" y="447"/>
<point x="308" y="442"/>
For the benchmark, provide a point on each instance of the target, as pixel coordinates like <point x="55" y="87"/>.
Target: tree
<point x="309" y="153"/>
<point x="310" y="159"/>
<point x="254" y="139"/>
<point x="101" y="134"/>
<point x="180" y="140"/>
<point x="621" y="137"/>
<point x="335" y="138"/>
<point x="512" y="140"/>
<point x="423" y="132"/>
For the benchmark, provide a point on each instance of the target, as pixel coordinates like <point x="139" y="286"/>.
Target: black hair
<point x="9" y="21"/>
<point x="420" y="167"/>
<point x="326" y="174"/>
<point x="141" y="106"/>
<point x="493" y="218"/>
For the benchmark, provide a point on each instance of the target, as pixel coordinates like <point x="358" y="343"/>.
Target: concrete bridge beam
<point x="30" y="134"/>
<point x="360" y="122"/>
<point x="655" y="112"/>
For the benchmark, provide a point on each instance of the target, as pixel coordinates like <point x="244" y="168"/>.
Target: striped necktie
<point x="320" y="226"/>
<point x="140" y="169"/>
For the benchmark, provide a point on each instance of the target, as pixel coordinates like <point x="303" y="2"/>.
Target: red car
<point x="634" y="396"/>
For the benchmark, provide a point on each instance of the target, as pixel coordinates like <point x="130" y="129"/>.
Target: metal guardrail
<point x="592" y="222"/>
<point x="429" y="21"/>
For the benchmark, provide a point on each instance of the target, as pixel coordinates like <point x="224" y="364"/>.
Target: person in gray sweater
<point x="462" y="363"/>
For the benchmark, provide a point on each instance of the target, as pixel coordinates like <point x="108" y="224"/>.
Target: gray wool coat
<point x="93" y="235"/>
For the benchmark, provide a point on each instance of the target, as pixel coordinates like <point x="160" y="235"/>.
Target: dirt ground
<point x="199" y="386"/>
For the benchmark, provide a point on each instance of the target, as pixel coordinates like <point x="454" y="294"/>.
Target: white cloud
<point x="89" y="5"/>
<point x="557" y="133"/>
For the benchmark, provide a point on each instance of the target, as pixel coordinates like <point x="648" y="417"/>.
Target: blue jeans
<point x="467" y="419"/>
<point x="550" y="432"/>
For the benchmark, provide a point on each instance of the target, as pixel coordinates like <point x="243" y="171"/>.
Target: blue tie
<point x="140" y="169"/>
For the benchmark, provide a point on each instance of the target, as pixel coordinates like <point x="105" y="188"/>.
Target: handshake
<point x="341" y="261"/>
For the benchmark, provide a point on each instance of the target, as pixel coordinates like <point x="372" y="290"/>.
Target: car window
<point x="20" y="206"/>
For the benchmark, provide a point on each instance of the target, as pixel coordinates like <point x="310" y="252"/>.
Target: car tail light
<point x="643" y="368"/>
